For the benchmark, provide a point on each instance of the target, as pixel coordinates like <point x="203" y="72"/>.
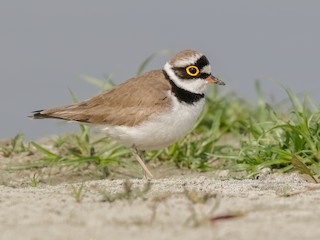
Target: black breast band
<point x="182" y="94"/>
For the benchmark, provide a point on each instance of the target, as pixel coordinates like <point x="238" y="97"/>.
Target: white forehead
<point x="206" y="69"/>
<point x="190" y="60"/>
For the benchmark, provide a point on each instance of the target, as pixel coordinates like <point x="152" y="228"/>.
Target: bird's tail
<point x="40" y="115"/>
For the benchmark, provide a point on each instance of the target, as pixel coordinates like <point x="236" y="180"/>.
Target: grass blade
<point x="44" y="151"/>
<point x="150" y="58"/>
<point x="301" y="167"/>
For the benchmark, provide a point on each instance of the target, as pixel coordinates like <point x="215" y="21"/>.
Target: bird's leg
<point x="138" y="155"/>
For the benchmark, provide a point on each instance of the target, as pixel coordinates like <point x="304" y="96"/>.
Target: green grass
<point x="232" y="133"/>
<point x="128" y="193"/>
<point x="77" y="193"/>
<point x="34" y="180"/>
<point x="15" y="146"/>
<point x="81" y="148"/>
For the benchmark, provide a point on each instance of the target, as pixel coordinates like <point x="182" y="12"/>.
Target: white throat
<point x="197" y="85"/>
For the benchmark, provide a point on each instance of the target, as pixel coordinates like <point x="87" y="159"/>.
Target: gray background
<point x="45" y="46"/>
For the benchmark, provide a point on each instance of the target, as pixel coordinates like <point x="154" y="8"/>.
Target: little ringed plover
<point x="149" y="111"/>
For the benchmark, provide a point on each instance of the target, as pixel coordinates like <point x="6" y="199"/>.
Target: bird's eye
<point x="192" y="70"/>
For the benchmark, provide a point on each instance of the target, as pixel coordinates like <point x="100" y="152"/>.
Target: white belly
<point x="160" y="131"/>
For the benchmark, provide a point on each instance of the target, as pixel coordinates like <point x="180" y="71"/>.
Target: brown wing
<point x="127" y="104"/>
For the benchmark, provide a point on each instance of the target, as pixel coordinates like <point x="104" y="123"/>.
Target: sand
<point x="190" y="206"/>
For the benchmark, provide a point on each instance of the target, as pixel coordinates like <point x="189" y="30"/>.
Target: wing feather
<point x="128" y="103"/>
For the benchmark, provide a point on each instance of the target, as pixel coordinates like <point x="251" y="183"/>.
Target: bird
<point x="150" y="111"/>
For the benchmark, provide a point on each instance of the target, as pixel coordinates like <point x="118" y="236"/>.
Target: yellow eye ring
<point x="192" y="70"/>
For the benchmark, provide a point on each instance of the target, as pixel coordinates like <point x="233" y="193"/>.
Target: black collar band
<point x="182" y="94"/>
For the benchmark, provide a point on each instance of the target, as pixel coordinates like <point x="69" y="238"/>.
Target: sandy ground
<point x="176" y="205"/>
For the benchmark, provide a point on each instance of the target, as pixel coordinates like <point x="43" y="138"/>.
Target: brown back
<point x="127" y="104"/>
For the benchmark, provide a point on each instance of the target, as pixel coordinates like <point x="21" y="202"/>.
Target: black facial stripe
<point x="202" y="62"/>
<point x="204" y="75"/>
<point x="181" y="73"/>
<point x="182" y="94"/>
